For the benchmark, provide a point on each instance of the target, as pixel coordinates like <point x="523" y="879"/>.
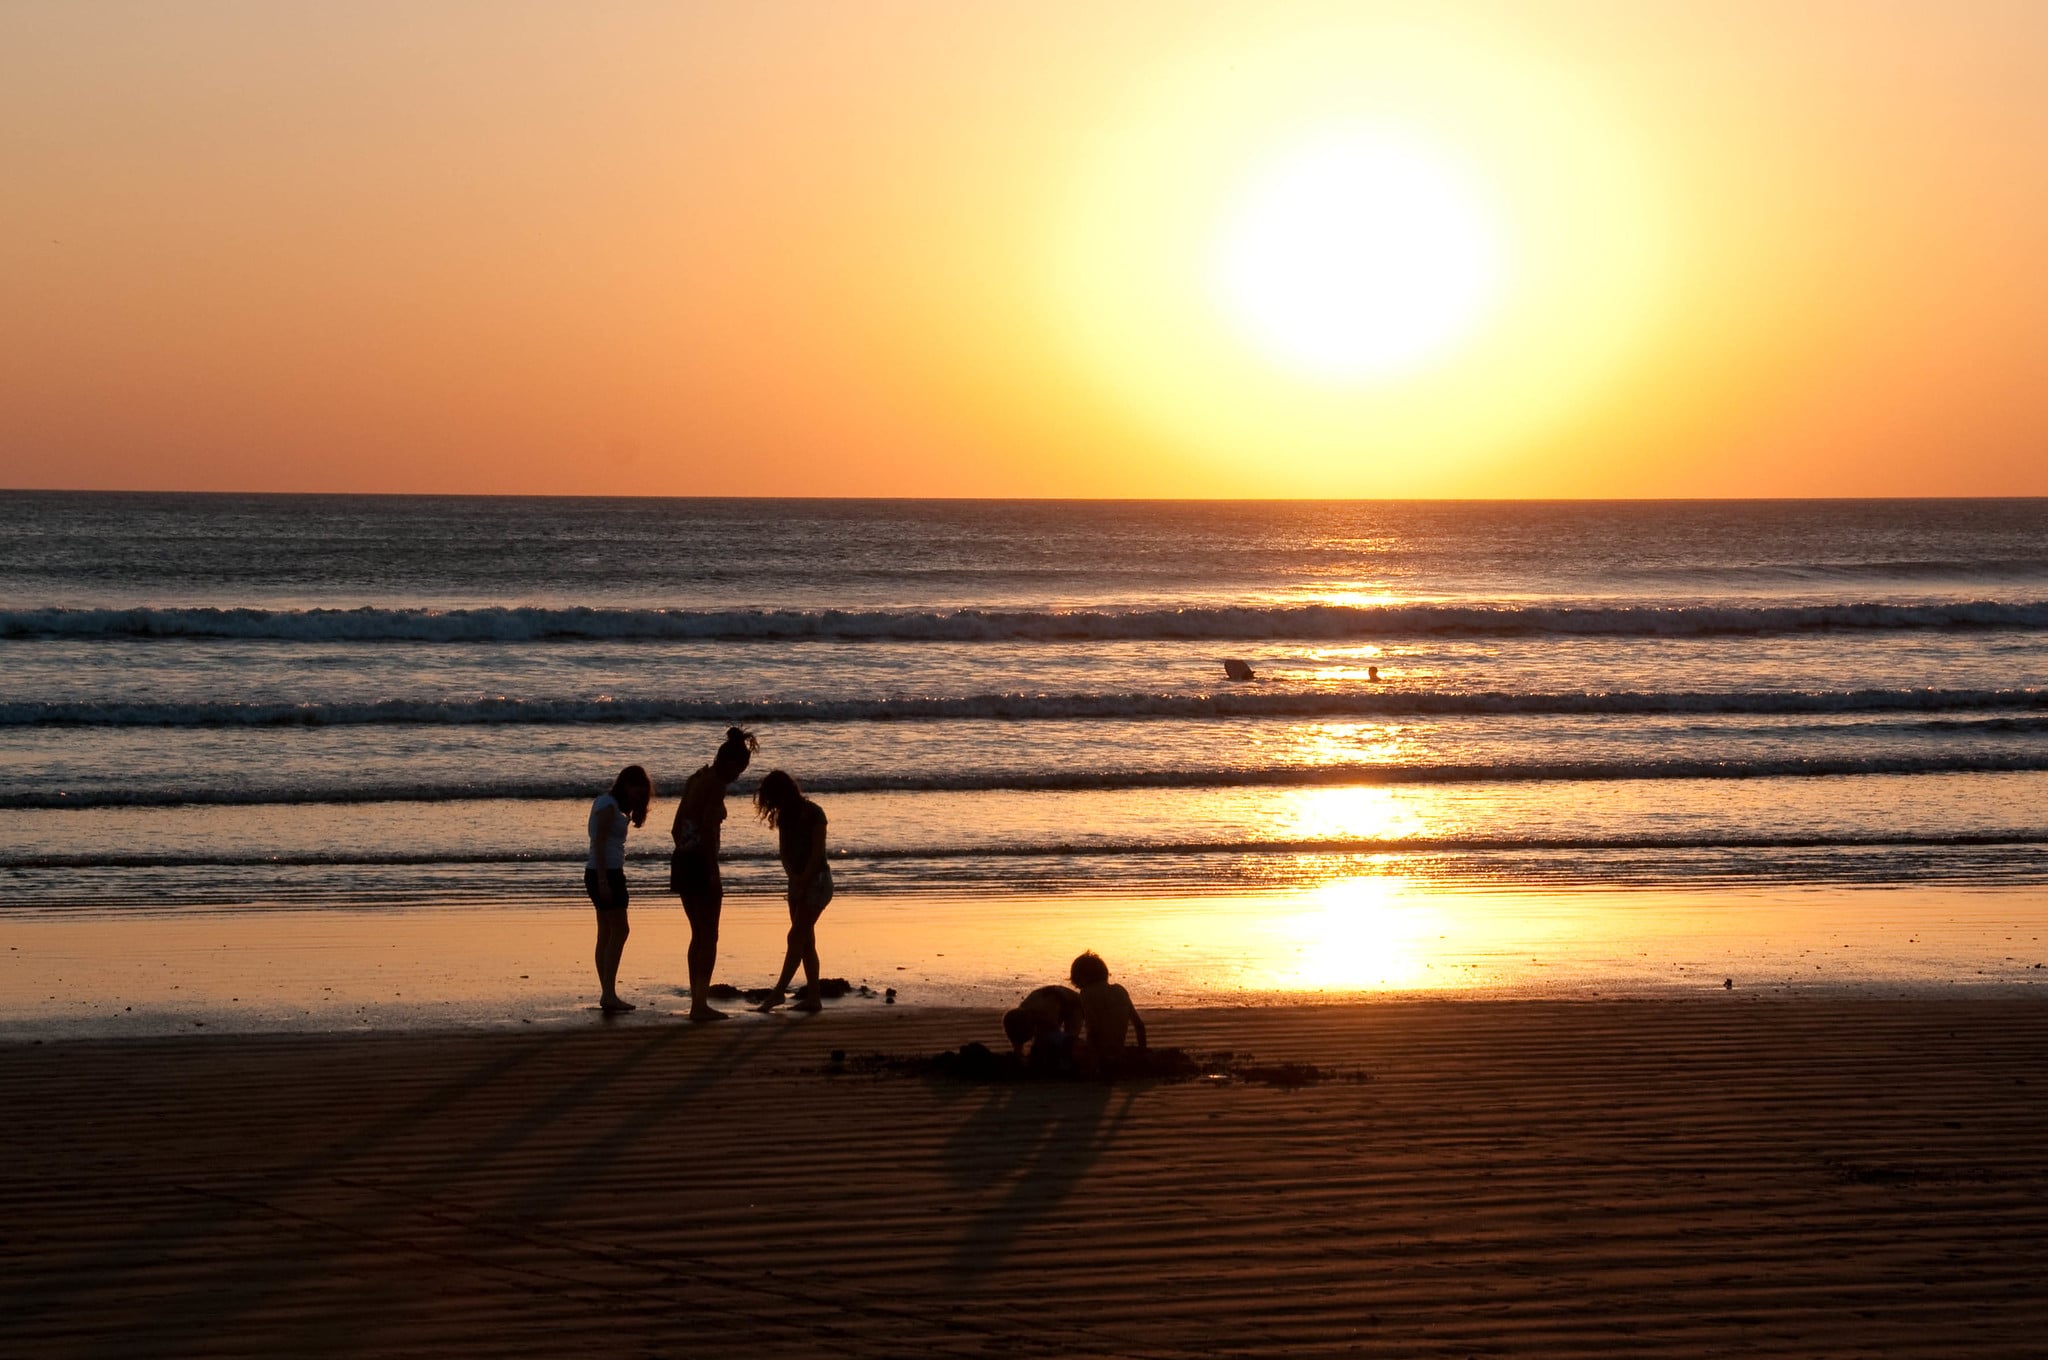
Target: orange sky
<point x="935" y="249"/>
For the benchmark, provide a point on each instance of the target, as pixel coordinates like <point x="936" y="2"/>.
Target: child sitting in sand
<point x="1050" y="1021"/>
<point x="1107" y="1015"/>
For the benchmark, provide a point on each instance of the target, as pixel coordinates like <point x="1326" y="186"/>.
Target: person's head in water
<point x="633" y="790"/>
<point x="735" y="753"/>
<point x="777" y="797"/>
<point x="1088" y="971"/>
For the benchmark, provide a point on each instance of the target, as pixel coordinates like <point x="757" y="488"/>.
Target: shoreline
<point x="81" y="973"/>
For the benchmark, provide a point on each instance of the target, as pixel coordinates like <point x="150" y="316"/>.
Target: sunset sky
<point x="1140" y="249"/>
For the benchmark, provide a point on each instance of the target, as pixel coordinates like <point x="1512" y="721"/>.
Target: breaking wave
<point x="1244" y="703"/>
<point x="1070" y="780"/>
<point x="534" y="624"/>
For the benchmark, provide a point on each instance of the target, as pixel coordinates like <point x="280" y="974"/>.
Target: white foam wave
<point x="1362" y="701"/>
<point x="1067" y="780"/>
<point x="1348" y="845"/>
<point x="534" y="624"/>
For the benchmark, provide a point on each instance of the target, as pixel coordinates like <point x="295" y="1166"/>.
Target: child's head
<point x="734" y="753"/>
<point x="776" y="797"/>
<point x="1088" y="971"/>
<point x="1017" y="1026"/>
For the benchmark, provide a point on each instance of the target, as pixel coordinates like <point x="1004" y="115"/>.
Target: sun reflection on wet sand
<point x="1371" y="934"/>
<point x="1358" y="934"/>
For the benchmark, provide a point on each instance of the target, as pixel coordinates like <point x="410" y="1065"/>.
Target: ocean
<point x="333" y="700"/>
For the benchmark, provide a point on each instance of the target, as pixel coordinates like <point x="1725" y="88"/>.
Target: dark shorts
<point x="694" y="878"/>
<point x="616" y="877"/>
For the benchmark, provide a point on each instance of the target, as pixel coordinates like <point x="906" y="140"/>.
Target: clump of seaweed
<point x="829" y="989"/>
<point x="977" y="1064"/>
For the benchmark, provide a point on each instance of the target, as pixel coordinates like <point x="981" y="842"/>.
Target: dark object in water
<point x="1372" y="672"/>
<point x="1237" y="670"/>
<point x="889" y="997"/>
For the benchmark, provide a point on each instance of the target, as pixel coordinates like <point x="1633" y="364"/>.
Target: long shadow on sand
<point x="207" y="1215"/>
<point x="1042" y="1139"/>
<point x="561" y="1179"/>
<point x="387" y="1209"/>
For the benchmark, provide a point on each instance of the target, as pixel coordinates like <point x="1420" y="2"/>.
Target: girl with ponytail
<point x="693" y="872"/>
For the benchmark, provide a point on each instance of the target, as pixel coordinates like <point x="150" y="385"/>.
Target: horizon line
<point x="1048" y="500"/>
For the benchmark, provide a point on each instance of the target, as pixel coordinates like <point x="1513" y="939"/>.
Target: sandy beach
<point x="1706" y="1176"/>
<point x="1476" y="573"/>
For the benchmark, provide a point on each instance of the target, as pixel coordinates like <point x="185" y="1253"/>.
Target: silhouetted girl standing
<point x="800" y="830"/>
<point x="604" y="874"/>
<point x="693" y="873"/>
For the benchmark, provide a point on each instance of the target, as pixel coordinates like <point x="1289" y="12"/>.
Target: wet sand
<point x="1720" y="1174"/>
<point x="72" y="973"/>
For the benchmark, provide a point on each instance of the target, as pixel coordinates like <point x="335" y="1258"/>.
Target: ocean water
<point x="334" y="700"/>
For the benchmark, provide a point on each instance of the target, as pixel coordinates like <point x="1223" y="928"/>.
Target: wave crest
<point x="1071" y="780"/>
<point x="1247" y="703"/>
<point x="1310" y="621"/>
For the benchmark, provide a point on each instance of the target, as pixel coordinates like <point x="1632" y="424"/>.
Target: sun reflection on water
<point x="1357" y="813"/>
<point x="1361" y="596"/>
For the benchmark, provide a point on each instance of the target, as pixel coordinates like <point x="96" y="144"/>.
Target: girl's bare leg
<point x="803" y="944"/>
<point x="612" y="930"/>
<point x="790" y="957"/>
<point x="703" y="958"/>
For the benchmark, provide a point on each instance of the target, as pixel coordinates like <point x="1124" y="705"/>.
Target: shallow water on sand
<point x="94" y="974"/>
<point x="391" y="708"/>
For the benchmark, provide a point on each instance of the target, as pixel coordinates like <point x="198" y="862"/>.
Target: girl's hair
<point x="633" y="790"/>
<point x="1088" y="970"/>
<point x="737" y="749"/>
<point x="778" y="794"/>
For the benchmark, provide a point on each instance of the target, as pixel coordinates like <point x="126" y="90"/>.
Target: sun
<point x="1359" y="255"/>
<point x="1365" y="257"/>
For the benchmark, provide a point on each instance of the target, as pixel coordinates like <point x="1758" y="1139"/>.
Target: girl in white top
<point x="604" y="874"/>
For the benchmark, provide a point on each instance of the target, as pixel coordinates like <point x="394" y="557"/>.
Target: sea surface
<point x="360" y="700"/>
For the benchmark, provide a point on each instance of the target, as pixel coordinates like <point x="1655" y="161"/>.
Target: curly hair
<point x="777" y="796"/>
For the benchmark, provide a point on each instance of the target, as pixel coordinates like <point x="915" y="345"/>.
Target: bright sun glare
<point x="1372" y="257"/>
<point x="1359" y="255"/>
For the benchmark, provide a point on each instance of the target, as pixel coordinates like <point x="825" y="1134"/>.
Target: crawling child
<point x="1049" y="1020"/>
<point x="1107" y="1014"/>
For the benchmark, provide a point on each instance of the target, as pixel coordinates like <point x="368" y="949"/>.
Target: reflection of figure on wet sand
<point x="604" y="875"/>
<point x="799" y="825"/>
<point x="1049" y="1021"/>
<point x="693" y="873"/>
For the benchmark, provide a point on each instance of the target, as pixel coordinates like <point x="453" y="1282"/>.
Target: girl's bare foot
<point x="704" y="1014"/>
<point x="810" y="1004"/>
<point x="611" y="1005"/>
<point x="775" y="999"/>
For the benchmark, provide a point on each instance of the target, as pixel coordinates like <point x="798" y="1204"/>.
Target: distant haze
<point x="1742" y="249"/>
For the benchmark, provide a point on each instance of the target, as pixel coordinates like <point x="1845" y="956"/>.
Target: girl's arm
<point x="607" y="818"/>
